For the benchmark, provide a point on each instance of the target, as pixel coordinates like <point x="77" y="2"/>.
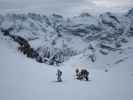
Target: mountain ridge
<point x="56" y="38"/>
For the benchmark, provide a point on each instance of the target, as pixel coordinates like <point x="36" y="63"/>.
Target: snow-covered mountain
<point x="53" y="39"/>
<point x="102" y="44"/>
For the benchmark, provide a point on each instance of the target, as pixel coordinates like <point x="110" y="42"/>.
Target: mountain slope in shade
<point x="56" y="38"/>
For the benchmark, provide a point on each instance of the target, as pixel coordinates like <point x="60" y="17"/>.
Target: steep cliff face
<point x="56" y="38"/>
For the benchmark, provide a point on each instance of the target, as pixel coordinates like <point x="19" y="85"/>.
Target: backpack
<point x="59" y="72"/>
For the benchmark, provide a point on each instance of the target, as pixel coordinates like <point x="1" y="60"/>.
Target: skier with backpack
<point x="83" y="74"/>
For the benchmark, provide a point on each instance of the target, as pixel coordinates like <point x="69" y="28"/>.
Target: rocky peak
<point x="130" y="13"/>
<point x="85" y="14"/>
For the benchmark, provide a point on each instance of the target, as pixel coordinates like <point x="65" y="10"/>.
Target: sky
<point x="66" y="7"/>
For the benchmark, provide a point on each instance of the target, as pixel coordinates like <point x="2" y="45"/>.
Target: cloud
<point x="113" y="3"/>
<point x="66" y="7"/>
<point x="117" y="6"/>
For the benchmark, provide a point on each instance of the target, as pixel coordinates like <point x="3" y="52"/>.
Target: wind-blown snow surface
<point x="22" y="78"/>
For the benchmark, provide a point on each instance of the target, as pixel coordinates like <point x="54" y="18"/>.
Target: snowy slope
<point x="24" y="79"/>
